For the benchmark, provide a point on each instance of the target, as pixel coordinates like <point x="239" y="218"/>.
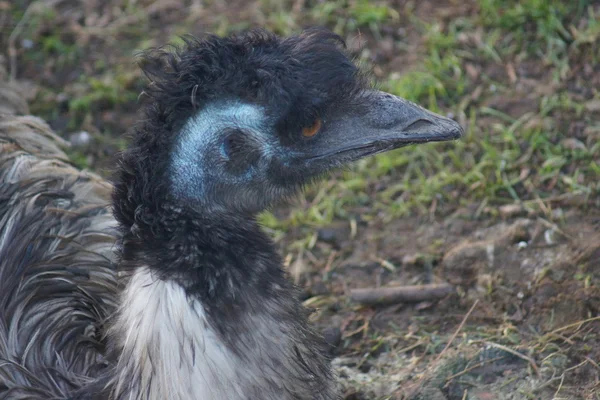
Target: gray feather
<point x="57" y="271"/>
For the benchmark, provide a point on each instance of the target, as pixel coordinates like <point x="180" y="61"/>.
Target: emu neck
<point x="208" y="314"/>
<point x="218" y="258"/>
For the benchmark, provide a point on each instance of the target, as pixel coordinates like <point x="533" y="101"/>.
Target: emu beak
<point x="383" y="122"/>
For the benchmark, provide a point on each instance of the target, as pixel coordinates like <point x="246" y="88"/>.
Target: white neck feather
<point x="169" y="349"/>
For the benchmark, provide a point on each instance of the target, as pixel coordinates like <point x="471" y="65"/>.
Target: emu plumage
<point x="175" y="292"/>
<point x="57" y="272"/>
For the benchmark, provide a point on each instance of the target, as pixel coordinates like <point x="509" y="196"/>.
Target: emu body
<point x="175" y="292"/>
<point x="58" y="280"/>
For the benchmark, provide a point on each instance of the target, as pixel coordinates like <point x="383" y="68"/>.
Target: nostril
<point x="419" y="125"/>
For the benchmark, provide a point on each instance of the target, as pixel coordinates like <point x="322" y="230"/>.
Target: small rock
<point x="27" y="43"/>
<point x="80" y="140"/>
<point x="334" y="234"/>
<point x="328" y="235"/>
<point x="387" y="46"/>
<point x="511" y="210"/>
<point x="593" y="105"/>
<point x="558" y="213"/>
<point x="412" y="259"/>
<point x="572" y="144"/>
<point x="549" y="236"/>
<point x="424" y="305"/>
<point x="62" y="98"/>
<point x="517" y="232"/>
<point x="463" y="263"/>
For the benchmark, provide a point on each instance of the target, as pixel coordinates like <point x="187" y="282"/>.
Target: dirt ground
<point x="522" y="320"/>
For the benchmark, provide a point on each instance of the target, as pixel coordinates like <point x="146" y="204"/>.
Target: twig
<point x="471" y="368"/>
<point x="385" y="264"/>
<point x="574" y="367"/>
<point x="330" y="260"/>
<point x="562" y="337"/>
<point x="409" y="348"/>
<point x="432" y="366"/>
<point x="353" y="228"/>
<point x="574" y="324"/>
<point x="562" y="380"/>
<point x="594" y="363"/>
<point x="548" y="383"/>
<point x="462" y="323"/>
<point x="555" y="227"/>
<point x="530" y="360"/>
<point x="401" y="294"/>
<point x="364" y="328"/>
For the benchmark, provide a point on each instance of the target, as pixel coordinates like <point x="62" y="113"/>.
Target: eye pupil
<point x="313" y="129"/>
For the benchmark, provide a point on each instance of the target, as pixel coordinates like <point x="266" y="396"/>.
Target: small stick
<point x="434" y="364"/>
<point x="471" y="368"/>
<point x="400" y="294"/>
<point x="330" y="260"/>
<point x="517" y="354"/>
<point x="577" y="324"/>
<point x="460" y="326"/>
<point x="594" y="363"/>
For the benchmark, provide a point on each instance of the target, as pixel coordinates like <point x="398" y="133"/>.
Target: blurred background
<point x="508" y="215"/>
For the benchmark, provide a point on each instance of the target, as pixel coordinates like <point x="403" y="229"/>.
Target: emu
<point x="175" y="292"/>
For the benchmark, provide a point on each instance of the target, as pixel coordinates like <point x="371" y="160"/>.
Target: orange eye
<point x="312" y="130"/>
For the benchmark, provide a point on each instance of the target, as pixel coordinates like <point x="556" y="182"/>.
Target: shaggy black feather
<point x="296" y="78"/>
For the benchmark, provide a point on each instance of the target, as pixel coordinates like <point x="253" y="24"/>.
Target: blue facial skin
<point x="200" y="147"/>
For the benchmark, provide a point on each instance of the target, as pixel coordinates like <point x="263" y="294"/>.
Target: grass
<point x="502" y="159"/>
<point x="349" y="15"/>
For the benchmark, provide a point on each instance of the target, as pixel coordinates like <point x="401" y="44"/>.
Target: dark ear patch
<point x="241" y="150"/>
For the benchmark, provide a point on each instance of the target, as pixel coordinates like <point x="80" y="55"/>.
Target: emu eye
<point x="313" y="129"/>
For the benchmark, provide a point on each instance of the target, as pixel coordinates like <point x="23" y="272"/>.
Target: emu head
<point x="238" y="123"/>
